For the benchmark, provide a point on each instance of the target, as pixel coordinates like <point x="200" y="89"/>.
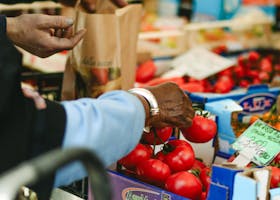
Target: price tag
<point x="261" y="139"/>
<point x="198" y="63"/>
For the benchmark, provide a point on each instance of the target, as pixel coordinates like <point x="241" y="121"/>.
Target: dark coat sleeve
<point x="25" y="132"/>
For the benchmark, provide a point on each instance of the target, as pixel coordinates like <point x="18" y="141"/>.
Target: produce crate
<point x="238" y="105"/>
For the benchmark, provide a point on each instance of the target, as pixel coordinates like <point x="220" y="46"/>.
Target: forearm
<point x="111" y="126"/>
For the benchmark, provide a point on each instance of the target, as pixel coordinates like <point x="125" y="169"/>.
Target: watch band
<point x="3" y="25"/>
<point x="154" y="109"/>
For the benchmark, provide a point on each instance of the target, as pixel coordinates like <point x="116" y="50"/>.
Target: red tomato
<point x="205" y="177"/>
<point x="264" y="76"/>
<point x="198" y="164"/>
<point x="101" y="75"/>
<point x="252" y="73"/>
<point x="178" y="158"/>
<point x="275" y="177"/>
<point x="266" y="65"/>
<point x="244" y="83"/>
<point x="163" y="134"/>
<point x="178" y="142"/>
<point x="224" y="84"/>
<point x="153" y="171"/>
<point x="185" y="184"/>
<point x="145" y="71"/>
<point x="253" y="56"/>
<point x="276" y="161"/>
<point x="202" y="130"/>
<point x="157" y="81"/>
<point x="239" y="71"/>
<point x="192" y="87"/>
<point x="140" y="153"/>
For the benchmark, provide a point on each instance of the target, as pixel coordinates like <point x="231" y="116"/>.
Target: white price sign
<point x="198" y="63"/>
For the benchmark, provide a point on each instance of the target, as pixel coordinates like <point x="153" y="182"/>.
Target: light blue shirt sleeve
<point x="110" y="126"/>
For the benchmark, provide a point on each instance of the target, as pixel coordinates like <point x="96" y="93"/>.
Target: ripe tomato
<point x="178" y="158"/>
<point x="276" y="161"/>
<point x="198" y="164"/>
<point x="253" y="56"/>
<point x="185" y="184"/>
<point x="163" y="134"/>
<point x="224" y="84"/>
<point x="202" y="130"/>
<point x="101" y="75"/>
<point x="140" y="153"/>
<point x="205" y="177"/>
<point x="192" y="87"/>
<point x="275" y="177"/>
<point x="178" y="142"/>
<point x="145" y="71"/>
<point x="266" y="65"/>
<point x="153" y="171"/>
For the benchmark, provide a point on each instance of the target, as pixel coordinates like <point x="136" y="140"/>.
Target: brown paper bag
<point x="105" y="59"/>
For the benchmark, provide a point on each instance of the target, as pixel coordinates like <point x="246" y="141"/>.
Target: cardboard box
<point x="126" y="188"/>
<point x="231" y="183"/>
<point x="238" y="105"/>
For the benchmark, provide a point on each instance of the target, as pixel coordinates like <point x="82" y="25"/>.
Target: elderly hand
<point x="175" y="107"/>
<point x="42" y="35"/>
<point x="89" y="5"/>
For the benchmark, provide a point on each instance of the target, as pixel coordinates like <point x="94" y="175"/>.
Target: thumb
<point x="57" y="22"/>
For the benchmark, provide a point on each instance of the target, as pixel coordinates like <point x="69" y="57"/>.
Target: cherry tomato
<point x="140" y="153"/>
<point x="145" y="71"/>
<point x="275" y="177"/>
<point x="202" y="130"/>
<point x="153" y="171"/>
<point x="162" y="135"/>
<point x="185" y="184"/>
<point x="178" y="158"/>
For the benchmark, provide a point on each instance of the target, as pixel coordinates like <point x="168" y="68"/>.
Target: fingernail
<point x="69" y="21"/>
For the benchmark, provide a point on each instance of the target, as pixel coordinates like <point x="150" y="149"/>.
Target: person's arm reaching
<point x="111" y="126"/>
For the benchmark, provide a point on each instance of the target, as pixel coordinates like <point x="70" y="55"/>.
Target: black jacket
<point x="25" y="132"/>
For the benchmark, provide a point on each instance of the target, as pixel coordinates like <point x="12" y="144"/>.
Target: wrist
<point x="149" y="102"/>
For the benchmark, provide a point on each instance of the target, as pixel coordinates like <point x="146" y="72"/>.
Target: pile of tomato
<point x="251" y="68"/>
<point x="169" y="163"/>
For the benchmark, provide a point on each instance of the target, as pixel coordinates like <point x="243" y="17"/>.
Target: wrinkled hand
<point x="89" y="5"/>
<point x="43" y="35"/>
<point x="174" y="105"/>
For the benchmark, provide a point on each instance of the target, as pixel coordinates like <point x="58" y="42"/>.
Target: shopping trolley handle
<point x="32" y="171"/>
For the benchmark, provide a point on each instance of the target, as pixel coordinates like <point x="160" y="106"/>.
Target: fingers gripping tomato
<point x="161" y="136"/>
<point x="202" y="130"/>
<point x="140" y="153"/>
<point x="153" y="171"/>
<point x="185" y="184"/>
